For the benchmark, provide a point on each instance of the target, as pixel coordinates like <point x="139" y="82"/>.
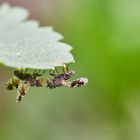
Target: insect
<point x="63" y="80"/>
<point x="12" y="83"/>
<point x="22" y="91"/>
<point x="24" y="87"/>
<point x="58" y="80"/>
<point x="78" y="82"/>
<point x="24" y="80"/>
<point x="28" y="77"/>
<point x="28" y="80"/>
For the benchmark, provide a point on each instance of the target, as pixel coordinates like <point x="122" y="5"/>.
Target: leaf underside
<point x="23" y="44"/>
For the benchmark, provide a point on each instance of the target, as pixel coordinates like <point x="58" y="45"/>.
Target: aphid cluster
<point x="23" y="80"/>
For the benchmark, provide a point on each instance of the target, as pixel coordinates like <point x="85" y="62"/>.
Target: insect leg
<point x="65" y="68"/>
<point x="26" y="70"/>
<point x="21" y="70"/>
<point x="52" y="73"/>
<point x="57" y="71"/>
<point x="38" y="72"/>
<point x="43" y="72"/>
<point x="34" y="71"/>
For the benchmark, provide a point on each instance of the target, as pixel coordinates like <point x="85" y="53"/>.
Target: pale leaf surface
<point x="24" y="44"/>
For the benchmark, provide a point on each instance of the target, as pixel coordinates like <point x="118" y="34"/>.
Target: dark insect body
<point x="58" y="80"/>
<point x="29" y="78"/>
<point x="25" y="76"/>
<point x="79" y="82"/>
<point x="63" y="80"/>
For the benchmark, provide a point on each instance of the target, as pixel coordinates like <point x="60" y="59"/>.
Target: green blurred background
<point x="105" y="35"/>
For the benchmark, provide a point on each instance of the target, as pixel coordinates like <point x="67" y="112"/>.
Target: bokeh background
<point x="105" y="35"/>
